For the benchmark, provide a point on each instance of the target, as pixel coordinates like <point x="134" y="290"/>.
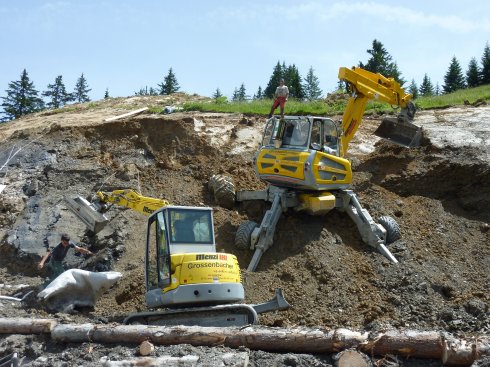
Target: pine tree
<point x="170" y="84"/>
<point x="259" y="94"/>
<point x="426" y="89"/>
<point x="485" y="69"/>
<point x="81" y="90"/>
<point x="277" y="75"/>
<point x="454" y="79"/>
<point x="235" y="95"/>
<point x="217" y="94"/>
<point x="57" y="94"/>
<point x="293" y="81"/>
<point x="437" y="90"/>
<point x="413" y="89"/>
<point x="381" y="62"/>
<point x="242" y="94"/>
<point x="311" y="86"/>
<point x="106" y="94"/>
<point x="21" y="98"/>
<point x="473" y="74"/>
<point x="146" y="92"/>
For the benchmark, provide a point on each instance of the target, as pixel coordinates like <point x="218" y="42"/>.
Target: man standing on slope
<point x="281" y="96"/>
<point x="58" y="254"/>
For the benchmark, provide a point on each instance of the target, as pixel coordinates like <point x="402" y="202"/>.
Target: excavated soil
<point x="439" y="193"/>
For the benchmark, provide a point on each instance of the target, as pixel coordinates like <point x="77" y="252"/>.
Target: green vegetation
<point x="337" y="107"/>
<point x="456" y="98"/>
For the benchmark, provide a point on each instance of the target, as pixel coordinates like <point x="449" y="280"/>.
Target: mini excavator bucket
<point x="87" y="212"/>
<point x="400" y="131"/>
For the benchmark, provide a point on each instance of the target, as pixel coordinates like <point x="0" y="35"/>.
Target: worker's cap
<point x="65" y="237"/>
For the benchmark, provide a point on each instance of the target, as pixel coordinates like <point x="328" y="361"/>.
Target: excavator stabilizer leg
<point x="87" y="212"/>
<point x="401" y="132"/>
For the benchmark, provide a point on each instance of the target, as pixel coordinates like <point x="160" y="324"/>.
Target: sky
<point x="124" y="45"/>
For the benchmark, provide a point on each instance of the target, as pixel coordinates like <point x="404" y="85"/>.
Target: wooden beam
<point x="132" y="113"/>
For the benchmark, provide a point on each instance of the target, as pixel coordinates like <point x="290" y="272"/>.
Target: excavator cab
<point x="182" y="266"/>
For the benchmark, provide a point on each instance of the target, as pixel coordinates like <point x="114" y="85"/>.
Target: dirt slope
<point x="439" y="193"/>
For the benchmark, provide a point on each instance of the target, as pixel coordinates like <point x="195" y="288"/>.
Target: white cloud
<point x="389" y="14"/>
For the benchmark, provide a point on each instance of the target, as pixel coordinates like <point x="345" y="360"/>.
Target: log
<point x="298" y="340"/>
<point x="240" y="359"/>
<point x="26" y="326"/>
<point x="132" y="113"/>
<point x="407" y="343"/>
<point x="352" y="358"/>
<point x="149" y="361"/>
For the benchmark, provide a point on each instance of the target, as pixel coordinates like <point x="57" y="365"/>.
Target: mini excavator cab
<point x="303" y="152"/>
<point x="182" y="266"/>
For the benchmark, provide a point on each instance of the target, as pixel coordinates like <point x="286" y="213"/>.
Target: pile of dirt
<point x="438" y="194"/>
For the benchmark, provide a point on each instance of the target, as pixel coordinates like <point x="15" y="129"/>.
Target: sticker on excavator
<point x="87" y="213"/>
<point x="403" y="133"/>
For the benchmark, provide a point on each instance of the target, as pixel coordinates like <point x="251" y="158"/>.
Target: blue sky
<point x="124" y="45"/>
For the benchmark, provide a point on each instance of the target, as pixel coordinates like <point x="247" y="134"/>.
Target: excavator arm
<point x="132" y="199"/>
<point x="364" y="86"/>
<point x="92" y="213"/>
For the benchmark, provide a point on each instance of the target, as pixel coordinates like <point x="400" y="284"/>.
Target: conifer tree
<point x="57" y="94"/>
<point x="311" y="86"/>
<point x="293" y="81"/>
<point x="106" y="94"/>
<point x="170" y="84"/>
<point x="146" y="92"/>
<point x="217" y="94"/>
<point x="437" y="90"/>
<point x="242" y="93"/>
<point x="473" y="74"/>
<point x="276" y="76"/>
<point x="80" y="94"/>
<point x="22" y="98"/>
<point x="235" y="97"/>
<point x="454" y="79"/>
<point x="413" y="89"/>
<point x="426" y="89"/>
<point x="485" y="69"/>
<point x="259" y="94"/>
<point x="381" y="62"/>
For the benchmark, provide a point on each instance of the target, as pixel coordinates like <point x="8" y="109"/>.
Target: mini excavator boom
<point x="302" y="158"/>
<point x="183" y="271"/>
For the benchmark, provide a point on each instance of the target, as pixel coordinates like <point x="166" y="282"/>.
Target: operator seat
<point x="184" y="232"/>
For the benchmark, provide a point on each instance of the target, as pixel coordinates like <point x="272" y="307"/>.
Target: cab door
<point x="157" y="270"/>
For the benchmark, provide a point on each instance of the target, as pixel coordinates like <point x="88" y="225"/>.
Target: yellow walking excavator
<point x="183" y="271"/>
<point x="302" y="158"/>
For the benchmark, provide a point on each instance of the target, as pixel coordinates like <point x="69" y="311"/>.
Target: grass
<point x="321" y="107"/>
<point x="455" y="99"/>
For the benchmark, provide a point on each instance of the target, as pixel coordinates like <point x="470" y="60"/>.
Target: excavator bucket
<point x="87" y="212"/>
<point x="400" y="132"/>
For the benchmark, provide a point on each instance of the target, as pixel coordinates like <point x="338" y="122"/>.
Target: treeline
<point x="454" y="79"/>
<point x="23" y="98"/>
<point x="299" y="88"/>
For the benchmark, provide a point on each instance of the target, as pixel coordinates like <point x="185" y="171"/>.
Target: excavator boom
<point x="364" y="86"/>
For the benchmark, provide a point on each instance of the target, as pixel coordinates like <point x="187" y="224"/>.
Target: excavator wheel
<point x="243" y="237"/>
<point x="223" y="189"/>
<point x="392" y="229"/>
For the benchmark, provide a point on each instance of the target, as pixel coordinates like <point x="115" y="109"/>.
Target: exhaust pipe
<point x="400" y="131"/>
<point x="87" y="212"/>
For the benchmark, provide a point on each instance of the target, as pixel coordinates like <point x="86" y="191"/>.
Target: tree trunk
<point x="26" y="326"/>
<point x="406" y="343"/>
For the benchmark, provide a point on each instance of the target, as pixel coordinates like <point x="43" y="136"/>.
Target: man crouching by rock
<point x="58" y="254"/>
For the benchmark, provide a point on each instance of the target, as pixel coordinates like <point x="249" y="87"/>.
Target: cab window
<point x="316" y="135"/>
